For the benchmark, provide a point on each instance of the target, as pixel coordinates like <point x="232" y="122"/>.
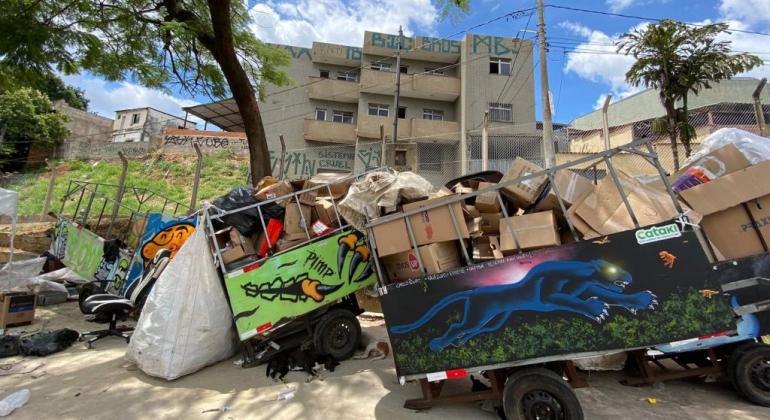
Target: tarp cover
<point x="186" y="323"/>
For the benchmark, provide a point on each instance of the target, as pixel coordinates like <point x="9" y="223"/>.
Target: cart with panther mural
<point x="520" y="320"/>
<point x="302" y="296"/>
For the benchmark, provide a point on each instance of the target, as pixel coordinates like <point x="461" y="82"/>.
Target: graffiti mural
<point x="424" y="43"/>
<point x="182" y="140"/>
<point x="87" y="254"/>
<point x="299" y="281"/>
<point x="343" y="159"/>
<point x="581" y="297"/>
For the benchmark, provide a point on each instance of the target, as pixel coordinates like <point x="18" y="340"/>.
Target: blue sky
<point x="578" y="79"/>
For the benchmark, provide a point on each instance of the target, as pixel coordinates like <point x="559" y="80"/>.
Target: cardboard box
<point x="293" y="220"/>
<point x="487" y="202"/>
<point x="725" y="160"/>
<point x="486" y="248"/>
<point x="729" y="190"/>
<point x="284" y="244"/>
<point x="238" y="247"/>
<point x="429" y="226"/>
<point x="17" y="308"/>
<point x="490" y="223"/>
<point x="337" y="184"/>
<point x="437" y="257"/>
<point x="470" y="212"/>
<point x="533" y="230"/>
<point x="605" y="212"/>
<point x="272" y="191"/>
<point x="324" y="211"/>
<point x="572" y="187"/>
<point x="308" y="198"/>
<point x="462" y="189"/>
<point x="526" y="192"/>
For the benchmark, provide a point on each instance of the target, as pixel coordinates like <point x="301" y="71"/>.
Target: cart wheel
<point x="733" y="358"/>
<point x="752" y="374"/>
<point x="539" y="393"/>
<point x="87" y="290"/>
<point x="337" y="334"/>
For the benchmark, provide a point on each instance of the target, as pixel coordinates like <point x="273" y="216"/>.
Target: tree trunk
<point x="672" y="132"/>
<point x="223" y="50"/>
<point x="686" y="139"/>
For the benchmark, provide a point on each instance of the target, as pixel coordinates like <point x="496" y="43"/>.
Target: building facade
<point x="139" y="125"/>
<point x="345" y="94"/>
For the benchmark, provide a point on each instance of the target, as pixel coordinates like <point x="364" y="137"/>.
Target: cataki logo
<point x="657" y="233"/>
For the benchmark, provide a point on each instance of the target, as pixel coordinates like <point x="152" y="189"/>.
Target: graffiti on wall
<point x="176" y="142"/>
<point x="89" y="255"/>
<point x="496" y="45"/>
<point x="423" y="43"/>
<point x="349" y="53"/>
<point x="306" y="163"/>
<point x="296" y="52"/>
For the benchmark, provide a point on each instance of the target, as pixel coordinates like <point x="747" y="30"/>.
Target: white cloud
<point x="749" y="11"/>
<point x="300" y="22"/>
<point x="618" y="5"/>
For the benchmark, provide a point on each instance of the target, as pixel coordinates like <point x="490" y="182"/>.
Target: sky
<point x="582" y="64"/>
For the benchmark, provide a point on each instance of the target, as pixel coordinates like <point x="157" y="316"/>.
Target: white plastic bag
<point x="754" y="147"/>
<point x="13" y="401"/>
<point x="186" y="323"/>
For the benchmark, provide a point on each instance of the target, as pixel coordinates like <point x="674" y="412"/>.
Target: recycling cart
<point x="300" y="293"/>
<point x="519" y="320"/>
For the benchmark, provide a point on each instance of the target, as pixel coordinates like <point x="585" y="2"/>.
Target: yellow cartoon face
<point x="171" y="238"/>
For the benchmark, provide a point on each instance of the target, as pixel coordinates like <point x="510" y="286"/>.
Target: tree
<point x="198" y="46"/>
<point x="27" y="118"/>
<point x="678" y="59"/>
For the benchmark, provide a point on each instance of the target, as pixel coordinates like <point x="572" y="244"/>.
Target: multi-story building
<point x="144" y="125"/>
<point x="344" y="94"/>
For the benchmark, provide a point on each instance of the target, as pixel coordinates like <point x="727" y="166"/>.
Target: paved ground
<point x="100" y="384"/>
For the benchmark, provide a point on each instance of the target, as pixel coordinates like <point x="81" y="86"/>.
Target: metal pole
<point x="186" y="114"/>
<point x="485" y="142"/>
<point x="383" y="159"/>
<point x="548" y="156"/>
<point x="283" y="156"/>
<point x="119" y="194"/>
<point x="398" y="85"/>
<point x="49" y="193"/>
<point x="196" y="181"/>
<point x="605" y="122"/>
<point x="758" y="111"/>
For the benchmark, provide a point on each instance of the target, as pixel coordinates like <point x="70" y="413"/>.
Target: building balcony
<point x="330" y="132"/>
<point x="421" y="86"/>
<point x="332" y="90"/>
<point x="410" y="129"/>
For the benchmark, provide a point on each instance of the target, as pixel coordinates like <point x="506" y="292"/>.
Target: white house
<point x="144" y="124"/>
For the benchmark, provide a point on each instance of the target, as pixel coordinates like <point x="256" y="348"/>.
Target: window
<point x="500" y="66"/>
<point x="381" y="66"/>
<point x="346" y="75"/>
<point x="324" y="74"/>
<point x="342" y="117"/>
<point x="434" y="70"/>
<point x="135" y="119"/>
<point x="320" y="114"/>
<point x="403" y="69"/>
<point x="402" y="112"/>
<point x="500" y="112"/>
<point x="432" y="114"/>
<point x="378" y="110"/>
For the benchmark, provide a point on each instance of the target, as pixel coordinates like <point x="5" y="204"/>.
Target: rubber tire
<point x="324" y="327"/>
<point x="732" y="360"/>
<point x="523" y="381"/>
<point x="743" y="374"/>
<point x="87" y="290"/>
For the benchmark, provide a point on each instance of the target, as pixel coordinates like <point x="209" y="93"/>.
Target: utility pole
<point x="545" y="99"/>
<point x="398" y="84"/>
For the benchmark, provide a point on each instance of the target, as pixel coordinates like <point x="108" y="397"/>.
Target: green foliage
<point x="678" y="59"/>
<point x="26" y="117"/>
<point x="682" y="315"/>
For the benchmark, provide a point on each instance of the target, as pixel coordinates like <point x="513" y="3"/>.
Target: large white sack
<point x="186" y="323"/>
<point x="754" y="147"/>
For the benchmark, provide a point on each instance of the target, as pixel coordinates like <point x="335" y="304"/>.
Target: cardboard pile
<point x="307" y="215"/>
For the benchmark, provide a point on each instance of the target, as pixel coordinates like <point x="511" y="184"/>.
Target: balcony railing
<point x="333" y="90"/>
<point x="421" y="86"/>
<point x="330" y="132"/>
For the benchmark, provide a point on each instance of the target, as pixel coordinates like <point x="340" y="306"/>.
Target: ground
<point x="100" y="384"/>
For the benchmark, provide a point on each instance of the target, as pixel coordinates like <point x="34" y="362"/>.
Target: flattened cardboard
<point x="487" y="202"/>
<point x="490" y="223"/>
<point x="308" y="197"/>
<point x="486" y="248"/>
<point x="732" y="233"/>
<point x="437" y="258"/>
<point x="533" y="230"/>
<point x="725" y="160"/>
<point x="729" y="190"/>
<point x="526" y="192"/>
<point x="572" y="187"/>
<point x="338" y="187"/>
<point x="324" y="211"/>
<point x="278" y="189"/>
<point x="239" y="247"/>
<point x="292" y="221"/>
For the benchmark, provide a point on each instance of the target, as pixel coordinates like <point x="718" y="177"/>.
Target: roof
<point x="224" y="114"/>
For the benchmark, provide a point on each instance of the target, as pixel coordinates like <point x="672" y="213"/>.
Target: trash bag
<point x="247" y="221"/>
<point x="754" y="147"/>
<point x="186" y="323"/>
<point x="49" y="342"/>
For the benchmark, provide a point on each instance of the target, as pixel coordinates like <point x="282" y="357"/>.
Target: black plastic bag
<point x="247" y="221"/>
<point x="45" y="343"/>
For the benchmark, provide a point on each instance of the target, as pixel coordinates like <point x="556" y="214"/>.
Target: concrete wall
<point x="85" y="126"/>
<point x="182" y="141"/>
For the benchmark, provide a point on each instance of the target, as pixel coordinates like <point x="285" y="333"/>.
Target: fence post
<point x="119" y="194"/>
<point x="283" y="156"/>
<point x="485" y="142"/>
<point x="758" y="111"/>
<point x="605" y="122"/>
<point x="49" y="193"/>
<point x="196" y="181"/>
<point x="383" y="158"/>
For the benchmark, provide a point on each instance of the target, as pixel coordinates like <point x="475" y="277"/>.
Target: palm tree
<point x="676" y="59"/>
